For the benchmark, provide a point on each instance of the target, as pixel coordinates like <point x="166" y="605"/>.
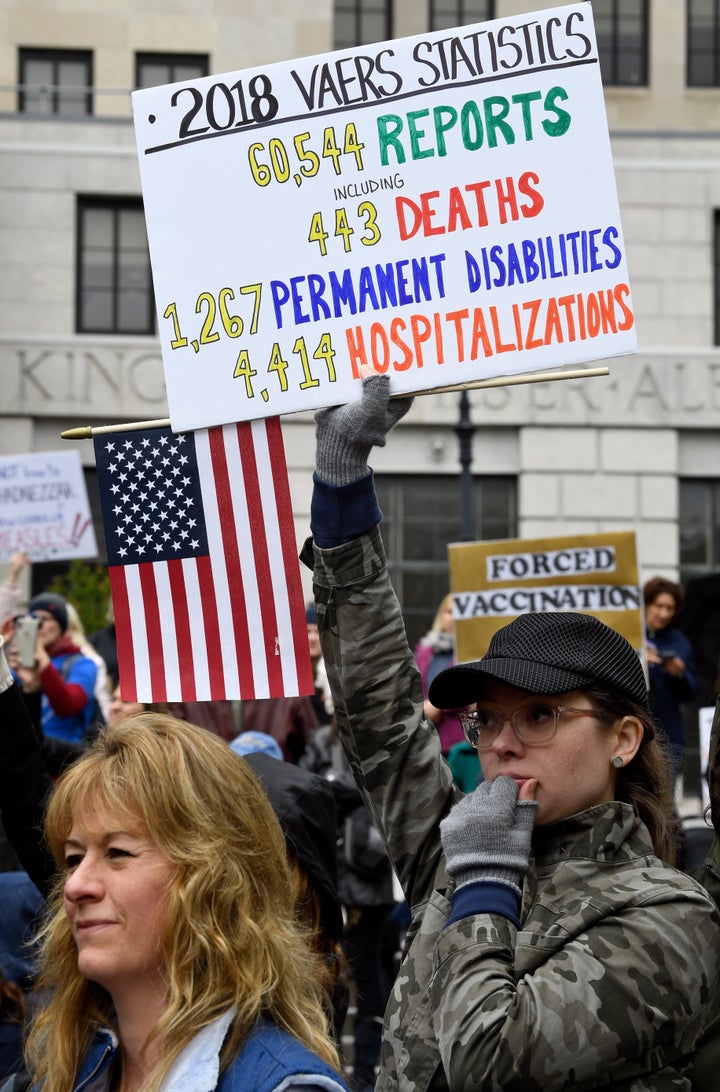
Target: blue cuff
<point x="340" y="513"/>
<point x="485" y="898"/>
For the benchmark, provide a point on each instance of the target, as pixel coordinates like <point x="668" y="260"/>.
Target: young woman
<point x="433" y="653"/>
<point x="551" y="946"/>
<point x="172" y="956"/>
<point x="671" y="663"/>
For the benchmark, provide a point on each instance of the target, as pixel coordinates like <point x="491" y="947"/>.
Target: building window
<point x="114" y="281"/>
<point x="621" y="27"/>
<point x="703" y="43"/>
<point x="699" y="527"/>
<point x="699" y="518"/>
<point x="421" y="515"/>
<point x="357" y="22"/>
<point x="155" y="69"/>
<point x="716" y="274"/>
<point x="445" y="14"/>
<point x="55" y="81"/>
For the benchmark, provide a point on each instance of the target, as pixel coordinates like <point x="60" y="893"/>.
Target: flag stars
<point x="154" y="486"/>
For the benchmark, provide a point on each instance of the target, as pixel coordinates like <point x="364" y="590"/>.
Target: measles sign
<point x="494" y="582"/>
<point x="442" y="207"/>
<point x="44" y="509"/>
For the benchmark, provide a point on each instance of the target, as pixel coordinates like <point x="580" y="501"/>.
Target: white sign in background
<point x="442" y="207"/>
<point x="44" y="509"/>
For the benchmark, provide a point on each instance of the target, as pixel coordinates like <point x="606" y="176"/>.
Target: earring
<point x="618" y="761"/>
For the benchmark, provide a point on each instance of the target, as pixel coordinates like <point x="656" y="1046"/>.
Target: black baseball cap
<point x="547" y="653"/>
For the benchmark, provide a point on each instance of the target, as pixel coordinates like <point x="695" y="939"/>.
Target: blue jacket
<point x="79" y="669"/>
<point x="667" y="692"/>
<point x="269" y="1057"/>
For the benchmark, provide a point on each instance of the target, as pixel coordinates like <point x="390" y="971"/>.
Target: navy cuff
<point x="480" y="897"/>
<point x="340" y="513"/>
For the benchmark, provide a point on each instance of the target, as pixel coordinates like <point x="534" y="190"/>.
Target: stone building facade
<point x="585" y="455"/>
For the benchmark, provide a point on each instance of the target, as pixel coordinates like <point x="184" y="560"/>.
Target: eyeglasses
<point x="533" y="724"/>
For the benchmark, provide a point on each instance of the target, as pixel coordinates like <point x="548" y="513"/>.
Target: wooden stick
<point x="511" y="381"/>
<point x="86" y="431"/>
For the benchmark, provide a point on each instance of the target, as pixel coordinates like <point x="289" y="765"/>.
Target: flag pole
<point x="85" y="432"/>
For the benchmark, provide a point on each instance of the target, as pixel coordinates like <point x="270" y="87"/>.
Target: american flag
<point x="203" y="564"/>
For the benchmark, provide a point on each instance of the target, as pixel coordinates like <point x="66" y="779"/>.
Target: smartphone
<point x="668" y="654"/>
<point x="26" y="630"/>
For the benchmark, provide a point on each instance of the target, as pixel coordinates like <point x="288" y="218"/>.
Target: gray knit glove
<point x="486" y="836"/>
<point x="346" y="434"/>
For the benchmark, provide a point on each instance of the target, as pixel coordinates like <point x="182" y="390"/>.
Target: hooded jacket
<point x="305" y="807"/>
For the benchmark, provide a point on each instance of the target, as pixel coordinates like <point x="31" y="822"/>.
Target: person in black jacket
<point x="365" y="886"/>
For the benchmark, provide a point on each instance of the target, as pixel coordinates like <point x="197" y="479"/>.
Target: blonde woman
<point x="172" y="956"/>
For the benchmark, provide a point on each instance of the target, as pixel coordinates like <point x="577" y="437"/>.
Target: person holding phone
<point x="671" y="664"/>
<point x="58" y="676"/>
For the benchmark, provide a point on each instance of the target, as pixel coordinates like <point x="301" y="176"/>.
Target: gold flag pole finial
<point x="87" y="431"/>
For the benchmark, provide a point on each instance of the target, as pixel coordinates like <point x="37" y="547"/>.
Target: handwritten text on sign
<point x="44" y="509"/>
<point x="442" y="207"/>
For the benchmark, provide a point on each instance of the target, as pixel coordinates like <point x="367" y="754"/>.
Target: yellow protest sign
<point x="494" y="582"/>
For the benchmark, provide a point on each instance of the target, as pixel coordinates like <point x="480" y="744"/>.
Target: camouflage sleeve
<point x="625" y="998"/>
<point x="393" y="751"/>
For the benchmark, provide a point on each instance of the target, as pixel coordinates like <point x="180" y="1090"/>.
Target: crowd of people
<point x="477" y="860"/>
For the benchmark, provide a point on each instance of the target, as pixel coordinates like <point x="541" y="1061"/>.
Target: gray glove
<point x="346" y="434"/>
<point x="486" y="836"/>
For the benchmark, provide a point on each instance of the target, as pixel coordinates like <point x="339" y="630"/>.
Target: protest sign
<point x="705" y="720"/>
<point x="494" y="582"/>
<point x="442" y="207"/>
<point x="44" y="508"/>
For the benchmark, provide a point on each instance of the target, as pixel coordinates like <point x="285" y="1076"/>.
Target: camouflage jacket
<point x="707" y="1063"/>
<point x="608" y="981"/>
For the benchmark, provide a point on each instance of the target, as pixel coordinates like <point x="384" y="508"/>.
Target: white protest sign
<point x="44" y="509"/>
<point x="705" y="720"/>
<point x="442" y="207"/>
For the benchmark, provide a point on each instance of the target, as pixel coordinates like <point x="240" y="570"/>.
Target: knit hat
<point x="54" y="604"/>
<point x="248" y="743"/>
<point x="547" y="653"/>
<point x="311" y="614"/>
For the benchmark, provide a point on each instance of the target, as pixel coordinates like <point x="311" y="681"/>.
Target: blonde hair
<point x="445" y="602"/>
<point x="231" y="938"/>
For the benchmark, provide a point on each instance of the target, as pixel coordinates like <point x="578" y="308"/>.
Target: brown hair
<point x="645" y="782"/>
<point x="659" y="585"/>
<point x="12" y="1001"/>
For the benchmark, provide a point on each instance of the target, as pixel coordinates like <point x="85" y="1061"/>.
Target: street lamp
<point x="465" y="429"/>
